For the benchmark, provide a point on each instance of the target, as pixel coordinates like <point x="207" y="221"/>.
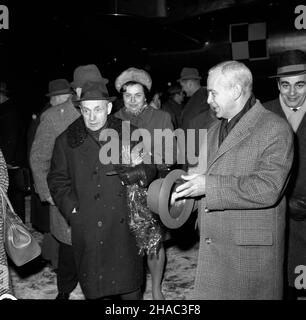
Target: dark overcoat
<point x="105" y="251"/>
<point x="296" y="189"/>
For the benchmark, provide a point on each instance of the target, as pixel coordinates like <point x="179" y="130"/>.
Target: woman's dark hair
<point x="132" y="83"/>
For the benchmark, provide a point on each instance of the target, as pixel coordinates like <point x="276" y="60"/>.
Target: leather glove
<point x="143" y="174"/>
<point x="297" y="208"/>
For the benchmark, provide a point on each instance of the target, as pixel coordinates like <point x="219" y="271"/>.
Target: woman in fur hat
<point x="134" y="85"/>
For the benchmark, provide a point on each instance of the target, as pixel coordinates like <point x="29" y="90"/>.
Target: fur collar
<point x="77" y="132"/>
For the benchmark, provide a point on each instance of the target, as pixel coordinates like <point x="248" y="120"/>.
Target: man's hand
<point x="50" y="200"/>
<point x="194" y="187"/>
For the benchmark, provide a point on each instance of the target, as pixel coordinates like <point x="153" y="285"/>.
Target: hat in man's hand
<point x="291" y="63"/>
<point x="159" y="195"/>
<point x="58" y="87"/>
<point x="136" y="75"/>
<point x="83" y="74"/>
<point x="189" y="73"/>
<point x="95" y="91"/>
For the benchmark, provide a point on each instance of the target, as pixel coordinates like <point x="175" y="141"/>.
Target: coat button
<point x="206" y="210"/>
<point x="121" y="220"/>
<point x="97" y="196"/>
<point x="208" y="240"/>
<point x="100" y="224"/>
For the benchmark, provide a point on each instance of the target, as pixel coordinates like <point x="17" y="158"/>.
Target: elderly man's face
<point x="134" y="98"/>
<point x="59" y="99"/>
<point x="293" y="90"/>
<point x="220" y="96"/>
<point x="95" y="113"/>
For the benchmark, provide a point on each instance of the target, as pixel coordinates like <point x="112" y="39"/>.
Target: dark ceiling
<point x="47" y="40"/>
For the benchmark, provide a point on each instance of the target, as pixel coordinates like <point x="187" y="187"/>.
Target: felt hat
<point x="189" y="73"/>
<point x="291" y="63"/>
<point x="159" y="196"/>
<point x="83" y="74"/>
<point x="95" y="91"/>
<point x="58" y="87"/>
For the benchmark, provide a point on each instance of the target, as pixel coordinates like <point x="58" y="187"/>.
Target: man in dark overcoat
<point x="291" y="105"/>
<point x="92" y="198"/>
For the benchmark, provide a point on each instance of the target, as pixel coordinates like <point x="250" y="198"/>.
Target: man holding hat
<point x="190" y="82"/>
<point x="92" y="198"/>
<point x="52" y="123"/>
<point x="291" y="105"/>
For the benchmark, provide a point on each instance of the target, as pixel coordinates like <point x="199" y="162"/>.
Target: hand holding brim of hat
<point x="193" y="187"/>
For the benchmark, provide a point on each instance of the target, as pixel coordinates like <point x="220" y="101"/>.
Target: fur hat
<point x="133" y="74"/>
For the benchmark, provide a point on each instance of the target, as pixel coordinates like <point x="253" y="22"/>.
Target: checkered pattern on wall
<point x="248" y="41"/>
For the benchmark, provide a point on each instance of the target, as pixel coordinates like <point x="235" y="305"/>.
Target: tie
<point x="295" y="109"/>
<point x="223" y="131"/>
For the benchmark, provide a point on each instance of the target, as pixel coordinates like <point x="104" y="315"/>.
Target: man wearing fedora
<point x="52" y="123"/>
<point x="291" y="105"/>
<point x="191" y="86"/>
<point x="86" y="73"/>
<point x="93" y="201"/>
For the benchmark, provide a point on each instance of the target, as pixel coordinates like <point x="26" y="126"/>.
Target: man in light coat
<point x="241" y="206"/>
<point x="52" y="123"/>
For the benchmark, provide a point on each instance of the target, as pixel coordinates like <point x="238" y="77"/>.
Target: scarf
<point x="293" y="117"/>
<point x="228" y="125"/>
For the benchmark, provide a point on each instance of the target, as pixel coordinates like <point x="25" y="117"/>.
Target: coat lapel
<point x="241" y="130"/>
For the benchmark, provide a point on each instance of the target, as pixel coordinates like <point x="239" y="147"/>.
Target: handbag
<point x="20" y="245"/>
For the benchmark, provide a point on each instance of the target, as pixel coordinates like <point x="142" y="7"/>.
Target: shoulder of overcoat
<point x="77" y="133"/>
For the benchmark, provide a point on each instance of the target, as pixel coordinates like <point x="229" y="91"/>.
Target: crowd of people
<point x="98" y="229"/>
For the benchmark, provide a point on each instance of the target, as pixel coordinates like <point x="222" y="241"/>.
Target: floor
<point x="38" y="281"/>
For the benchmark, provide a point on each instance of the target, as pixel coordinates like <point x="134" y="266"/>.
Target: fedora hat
<point x="291" y="63"/>
<point x="95" y="91"/>
<point x="136" y="75"/>
<point x="189" y="73"/>
<point x="83" y="74"/>
<point x="58" y="87"/>
<point x="159" y="196"/>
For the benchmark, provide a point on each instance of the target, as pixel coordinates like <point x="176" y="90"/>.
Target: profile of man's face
<point x="95" y="113"/>
<point x="293" y="90"/>
<point x="219" y="98"/>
